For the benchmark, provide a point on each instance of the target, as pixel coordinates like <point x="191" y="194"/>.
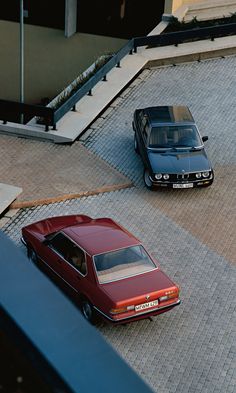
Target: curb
<point x="191" y="57"/>
<point x="47" y="201"/>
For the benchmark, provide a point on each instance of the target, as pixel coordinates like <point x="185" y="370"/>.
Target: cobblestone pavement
<point x="48" y="172"/>
<point x="192" y="232"/>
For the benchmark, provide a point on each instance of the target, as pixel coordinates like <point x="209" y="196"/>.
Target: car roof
<point x="100" y="235"/>
<point x="169" y="114"/>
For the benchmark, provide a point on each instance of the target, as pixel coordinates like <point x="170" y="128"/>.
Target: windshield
<point x="174" y="137"/>
<point x="123" y="263"/>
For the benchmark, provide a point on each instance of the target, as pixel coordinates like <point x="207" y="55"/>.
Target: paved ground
<point x="192" y="232"/>
<point x="48" y="173"/>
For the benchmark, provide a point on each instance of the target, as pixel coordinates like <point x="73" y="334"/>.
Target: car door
<point x="54" y="252"/>
<point x="145" y="131"/>
<point x="75" y="270"/>
<point x="75" y="267"/>
<point x="138" y="131"/>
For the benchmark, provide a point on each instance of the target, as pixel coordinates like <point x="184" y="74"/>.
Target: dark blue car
<point x="171" y="148"/>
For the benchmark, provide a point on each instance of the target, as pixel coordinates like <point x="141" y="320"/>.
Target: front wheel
<point x="33" y="257"/>
<point x="136" y="144"/>
<point x="88" y="312"/>
<point x="147" y="181"/>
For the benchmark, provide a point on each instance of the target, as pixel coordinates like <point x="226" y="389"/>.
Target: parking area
<point x="191" y="232"/>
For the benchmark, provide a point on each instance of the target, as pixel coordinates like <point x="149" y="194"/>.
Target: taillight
<point x="120" y="310"/>
<point x="173" y="293"/>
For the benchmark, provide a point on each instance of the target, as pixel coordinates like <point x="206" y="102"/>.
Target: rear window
<point x="123" y="263"/>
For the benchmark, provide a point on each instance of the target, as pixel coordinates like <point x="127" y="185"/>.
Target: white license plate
<point x="146" y="305"/>
<point x="186" y="185"/>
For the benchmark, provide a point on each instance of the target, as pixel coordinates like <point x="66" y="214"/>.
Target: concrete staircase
<point x="209" y="9"/>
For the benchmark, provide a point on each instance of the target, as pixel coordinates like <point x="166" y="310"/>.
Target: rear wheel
<point x="88" y="312"/>
<point x="147" y="181"/>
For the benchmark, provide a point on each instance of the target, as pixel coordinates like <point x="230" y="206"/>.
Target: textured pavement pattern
<point x="48" y="173"/>
<point x="191" y="232"/>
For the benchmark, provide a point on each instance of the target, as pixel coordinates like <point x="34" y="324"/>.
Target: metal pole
<point x="22" y="55"/>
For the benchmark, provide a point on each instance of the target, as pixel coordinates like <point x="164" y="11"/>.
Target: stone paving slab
<point x="8" y="194"/>
<point x="47" y="173"/>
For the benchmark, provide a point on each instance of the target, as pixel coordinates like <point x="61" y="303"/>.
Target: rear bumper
<point x="141" y="315"/>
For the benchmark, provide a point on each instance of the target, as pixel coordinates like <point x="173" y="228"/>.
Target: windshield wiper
<point x="188" y="147"/>
<point x="193" y="148"/>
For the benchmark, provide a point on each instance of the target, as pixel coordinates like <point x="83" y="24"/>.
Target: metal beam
<point x="70" y="17"/>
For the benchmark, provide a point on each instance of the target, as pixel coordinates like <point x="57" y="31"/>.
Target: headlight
<point x="158" y="176"/>
<point x="166" y="176"/>
<point x="198" y="175"/>
<point x="205" y="174"/>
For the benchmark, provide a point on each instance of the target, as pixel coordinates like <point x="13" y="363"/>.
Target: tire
<point x="88" y="311"/>
<point x="33" y="257"/>
<point x="146" y="178"/>
<point x="136" y="144"/>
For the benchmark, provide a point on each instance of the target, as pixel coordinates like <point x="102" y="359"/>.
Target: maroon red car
<point x="107" y="267"/>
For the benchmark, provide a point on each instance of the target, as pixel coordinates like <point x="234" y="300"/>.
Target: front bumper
<point x="185" y="183"/>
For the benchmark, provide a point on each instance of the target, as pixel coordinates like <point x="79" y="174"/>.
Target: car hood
<point x="142" y="284"/>
<point x="179" y="161"/>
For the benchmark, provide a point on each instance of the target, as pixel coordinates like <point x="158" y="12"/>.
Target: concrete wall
<point x="51" y="60"/>
<point x="172" y="5"/>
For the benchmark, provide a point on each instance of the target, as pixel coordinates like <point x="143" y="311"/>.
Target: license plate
<point x="186" y="185"/>
<point x="144" y="306"/>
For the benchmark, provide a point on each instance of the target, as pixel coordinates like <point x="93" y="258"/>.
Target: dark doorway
<point x="114" y="18"/>
<point x="119" y="18"/>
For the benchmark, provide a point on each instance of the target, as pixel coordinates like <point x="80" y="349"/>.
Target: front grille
<point x="182" y="177"/>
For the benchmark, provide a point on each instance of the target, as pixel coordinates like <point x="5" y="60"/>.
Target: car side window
<point x="76" y="257"/>
<point x="69" y="251"/>
<point x="145" y="132"/>
<point x="140" y="117"/>
<point x="59" y="243"/>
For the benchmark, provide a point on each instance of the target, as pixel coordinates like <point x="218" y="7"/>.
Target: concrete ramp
<point x="8" y="194"/>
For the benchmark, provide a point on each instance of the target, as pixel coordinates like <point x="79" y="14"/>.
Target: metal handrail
<point x="7" y="108"/>
<point x="175" y="38"/>
<point x="97" y="77"/>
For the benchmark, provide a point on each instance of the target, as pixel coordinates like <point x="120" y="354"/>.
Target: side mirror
<point x="205" y="138"/>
